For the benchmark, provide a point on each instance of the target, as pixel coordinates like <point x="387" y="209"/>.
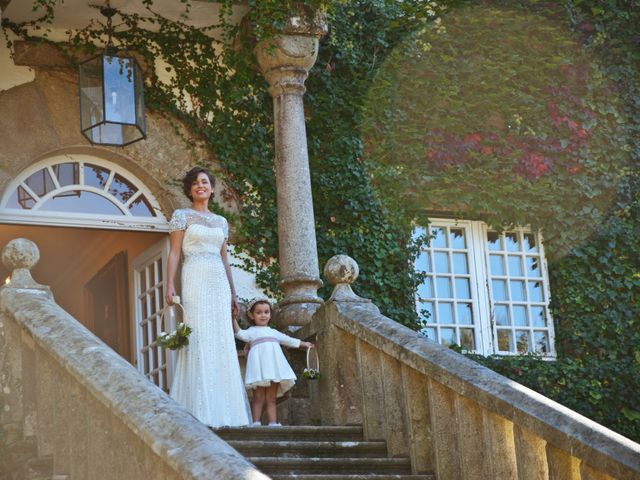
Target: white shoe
<point x="256" y="424"/>
<point x="275" y="424"/>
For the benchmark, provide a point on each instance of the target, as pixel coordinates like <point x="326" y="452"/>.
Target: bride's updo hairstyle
<point x="191" y="176"/>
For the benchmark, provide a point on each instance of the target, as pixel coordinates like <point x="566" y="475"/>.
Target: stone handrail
<point x="88" y="408"/>
<point x="451" y="415"/>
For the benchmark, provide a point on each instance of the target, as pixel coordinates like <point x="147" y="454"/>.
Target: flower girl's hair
<point x="252" y="304"/>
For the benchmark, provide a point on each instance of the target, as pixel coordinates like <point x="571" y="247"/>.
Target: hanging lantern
<point x="111" y="96"/>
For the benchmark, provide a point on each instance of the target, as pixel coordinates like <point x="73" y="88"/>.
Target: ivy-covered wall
<point x="566" y="159"/>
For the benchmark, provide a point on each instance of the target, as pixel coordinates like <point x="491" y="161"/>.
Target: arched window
<point x="80" y="190"/>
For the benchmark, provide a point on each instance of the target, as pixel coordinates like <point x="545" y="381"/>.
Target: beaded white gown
<point x="207" y="379"/>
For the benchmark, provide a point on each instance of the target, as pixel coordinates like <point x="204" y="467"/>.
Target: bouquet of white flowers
<point x="310" y="372"/>
<point x="179" y="338"/>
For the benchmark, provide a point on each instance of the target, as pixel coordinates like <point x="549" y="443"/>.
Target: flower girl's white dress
<point x="207" y="379"/>
<point x="266" y="363"/>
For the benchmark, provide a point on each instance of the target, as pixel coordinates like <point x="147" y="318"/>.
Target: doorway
<point x="107" y="305"/>
<point x="90" y="273"/>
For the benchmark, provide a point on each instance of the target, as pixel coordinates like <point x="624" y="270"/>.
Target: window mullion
<point x="547" y="295"/>
<point x="33" y="194"/>
<point x="485" y="327"/>
<point x="107" y="184"/>
<point x="54" y="177"/>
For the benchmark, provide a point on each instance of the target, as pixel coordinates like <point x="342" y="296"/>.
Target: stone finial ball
<point x="20" y="253"/>
<point x="341" y="269"/>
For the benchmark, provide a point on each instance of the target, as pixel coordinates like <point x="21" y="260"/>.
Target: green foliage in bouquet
<point x="311" y="374"/>
<point x="177" y="339"/>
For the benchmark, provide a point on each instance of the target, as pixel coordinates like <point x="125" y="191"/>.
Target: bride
<point x="207" y="378"/>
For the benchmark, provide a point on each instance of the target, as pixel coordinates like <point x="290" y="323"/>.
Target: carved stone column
<point x="285" y="61"/>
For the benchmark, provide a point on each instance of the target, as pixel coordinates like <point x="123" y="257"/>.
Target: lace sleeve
<point x="178" y="221"/>
<point x="225" y="228"/>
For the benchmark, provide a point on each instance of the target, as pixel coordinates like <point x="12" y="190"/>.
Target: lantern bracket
<point x="109" y="12"/>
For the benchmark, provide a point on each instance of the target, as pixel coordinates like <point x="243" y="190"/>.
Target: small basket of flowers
<point x="312" y="371"/>
<point x="179" y="337"/>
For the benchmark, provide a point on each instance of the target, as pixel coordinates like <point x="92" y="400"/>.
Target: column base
<point x="295" y="312"/>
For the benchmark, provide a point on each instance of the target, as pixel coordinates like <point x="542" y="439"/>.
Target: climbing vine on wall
<point x="596" y="286"/>
<point x="502" y="114"/>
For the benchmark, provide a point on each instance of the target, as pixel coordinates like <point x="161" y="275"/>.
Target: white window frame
<point x="157" y="255"/>
<point x="485" y="327"/>
<point x="126" y="221"/>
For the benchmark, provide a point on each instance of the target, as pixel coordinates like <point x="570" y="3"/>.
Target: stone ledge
<point x="47" y="55"/>
<point x="168" y="430"/>
<point x="38" y="54"/>
<point x="556" y="424"/>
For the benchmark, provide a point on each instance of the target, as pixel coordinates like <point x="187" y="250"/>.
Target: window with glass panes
<point x="446" y="295"/>
<point x="63" y="186"/>
<point x="483" y="290"/>
<point x="518" y="289"/>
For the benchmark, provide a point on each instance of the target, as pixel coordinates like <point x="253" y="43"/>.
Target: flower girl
<point x="268" y="373"/>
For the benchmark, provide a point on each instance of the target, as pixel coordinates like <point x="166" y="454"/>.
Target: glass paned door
<point x="153" y="362"/>
<point x="518" y="291"/>
<point x="447" y="296"/>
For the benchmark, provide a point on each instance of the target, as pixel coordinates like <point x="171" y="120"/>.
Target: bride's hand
<point x="169" y="294"/>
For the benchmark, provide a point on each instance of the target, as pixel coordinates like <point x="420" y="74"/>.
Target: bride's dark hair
<point x="191" y="177"/>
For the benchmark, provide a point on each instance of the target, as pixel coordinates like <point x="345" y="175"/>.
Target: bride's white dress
<point x="207" y="379"/>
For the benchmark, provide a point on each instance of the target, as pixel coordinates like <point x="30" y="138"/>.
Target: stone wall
<point x="86" y="407"/>
<point x="449" y="414"/>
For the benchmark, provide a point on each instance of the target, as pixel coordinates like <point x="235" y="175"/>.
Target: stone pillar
<point x="19" y="256"/>
<point x="285" y="61"/>
<point x="18" y="388"/>
<point x="340" y="388"/>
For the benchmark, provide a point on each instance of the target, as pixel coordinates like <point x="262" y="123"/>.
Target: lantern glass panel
<point x="119" y="76"/>
<point x="91" y="93"/>
<point x="140" y="99"/>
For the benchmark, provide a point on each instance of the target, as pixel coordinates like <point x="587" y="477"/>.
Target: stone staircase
<point x="318" y="453"/>
<point x="22" y="462"/>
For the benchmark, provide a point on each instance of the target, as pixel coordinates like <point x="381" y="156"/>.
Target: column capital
<point x="285" y="59"/>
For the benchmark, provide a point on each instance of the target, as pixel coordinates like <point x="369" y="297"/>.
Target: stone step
<point x="291" y="448"/>
<point x="16" y="455"/>
<point x="365" y="476"/>
<point x="281" y="466"/>
<point x="292" y="432"/>
<point x="38" y="468"/>
<point x="27" y="447"/>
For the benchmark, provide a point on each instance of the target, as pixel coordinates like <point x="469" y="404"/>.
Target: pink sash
<point x="259" y="341"/>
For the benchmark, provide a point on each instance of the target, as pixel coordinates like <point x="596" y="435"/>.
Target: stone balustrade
<point x="451" y="415"/>
<point x="89" y="409"/>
